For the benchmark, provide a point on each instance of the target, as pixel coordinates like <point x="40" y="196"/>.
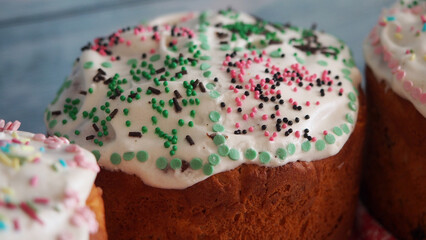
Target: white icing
<point x="65" y="189"/>
<point x="400" y="29"/>
<point x="331" y="111"/>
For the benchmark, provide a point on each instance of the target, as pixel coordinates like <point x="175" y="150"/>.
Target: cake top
<point x="194" y="94"/>
<point x="44" y="184"/>
<point x="396" y="51"/>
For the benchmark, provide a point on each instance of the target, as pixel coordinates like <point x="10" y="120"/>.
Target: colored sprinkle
<point x="218" y="128"/>
<point x="264" y="157"/>
<point x="214" y="116"/>
<point x="128" y="156"/>
<point x="352" y="97"/>
<point x="196" y="163"/>
<point x="155" y="57"/>
<point x="161" y="163"/>
<point x="306" y="146"/>
<point x="142" y="156"/>
<point x="219" y="139"/>
<point x="329" y="138"/>
<point x="291" y="149"/>
<point x="234" y="154"/>
<point x="115" y="158"/>
<point x="207" y="74"/>
<point x="176" y="163"/>
<point x="223" y="150"/>
<point x="349" y="118"/>
<point x="214" y="159"/>
<point x="337" y="131"/>
<point x="106" y="64"/>
<point x="88" y="65"/>
<point x="345" y="128"/>
<point x="204" y="66"/>
<point x="320" y="145"/>
<point x="208" y="169"/>
<point x="281" y="153"/>
<point x="352" y="106"/>
<point x="97" y="154"/>
<point x="250" y="154"/>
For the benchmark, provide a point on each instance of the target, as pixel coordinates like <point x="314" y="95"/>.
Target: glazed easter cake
<point x="207" y="125"/>
<point x="46" y="188"/>
<point x="395" y="167"/>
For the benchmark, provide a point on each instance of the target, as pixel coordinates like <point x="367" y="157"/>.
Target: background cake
<point x="207" y="125"/>
<point x="394" y="182"/>
<point x="46" y="188"/>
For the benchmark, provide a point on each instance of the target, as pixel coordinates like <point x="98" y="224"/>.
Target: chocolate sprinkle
<point x="177" y="94"/>
<point x="113" y="113"/>
<point x="90" y="137"/>
<point x="135" y="134"/>
<point x="189" y="140"/>
<point x="154" y="90"/>
<point x="56" y="113"/>
<point x="178" y="108"/>
<point x="95" y="127"/>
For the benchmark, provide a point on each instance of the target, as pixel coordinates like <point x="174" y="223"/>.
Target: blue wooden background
<point x="40" y="39"/>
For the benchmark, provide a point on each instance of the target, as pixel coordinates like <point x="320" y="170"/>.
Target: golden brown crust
<point x="394" y="177"/>
<point x="96" y="204"/>
<point x="301" y="200"/>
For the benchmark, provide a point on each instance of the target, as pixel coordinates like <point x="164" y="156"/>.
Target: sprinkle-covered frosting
<point x="396" y="51"/>
<point x="44" y="184"/>
<point x="195" y="94"/>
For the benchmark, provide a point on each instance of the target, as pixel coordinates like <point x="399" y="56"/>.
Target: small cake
<point x="394" y="179"/>
<point x="47" y="188"/>
<point x="218" y="125"/>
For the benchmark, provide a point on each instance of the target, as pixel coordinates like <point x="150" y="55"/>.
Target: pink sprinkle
<point x="152" y="51"/>
<point x="72" y="148"/>
<point x="314" y="139"/>
<point x="341" y="90"/>
<point x="252" y="114"/>
<point x="283" y="126"/>
<point x="143" y="38"/>
<point x="229" y="110"/>
<point x="274" y="134"/>
<point x="308" y="103"/>
<point x="264" y="116"/>
<point x="295" y="89"/>
<point x="290" y="100"/>
<point x="245" y="116"/>
<point x="325" y="132"/>
<point x="266" y="133"/>
<point x="251" y="129"/>
<point x="330" y="89"/>
<point x="236" y="90"/>
<point x="34" y="181"/>
<point x="278" y="113"/>
<point x="16" y="225"/>
<point x="112" y="58"/>
<point x="16" y="141"/>
<point x="237" y="125"/>
<point x="36" y="160"/>
<point x="128" y="43"/>
<point x="271" y="139"/>
<point x="317" y="103"/>
<point x="43" y="201"/>
<point x="297" y="134"/>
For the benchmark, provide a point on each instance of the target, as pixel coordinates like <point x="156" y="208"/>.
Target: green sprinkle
<point x="204" y="66"/>
<point x="352" y="97"/>
<point x="181" y="122"/>
<point x="322" y="63"/>
<point x="176" y="163"/>
<point x="337" y="131"/>
<point x="106" y="64"/>
<point x="223" y="150"/>
<point x="210" y="86"/>
<point x="128" y="156"/>
<point x="214" y="116"/>
<point x="88" y="65"/>
<point x="190" y="123"/>
<point x="320" y="145"/>
<point x="329" y="138"/>
<point x="76" y="132"/>
<point x="115" y="158"/>
<point x="208" y="169"/>
<point x="218" y="128"/>
<point x="225" y="47"/>
<point x="128" y="123"/>
<point x="161" y="163"/>
<point x="306" y="146"/>
<point x="196" y="163"/>
<point x="275" y="54"/>
<point x="154" y="120"/>
<point x="214" y="94"/>
<point x="264" y="157"/>
<point x="214" y="159"/>
<point x="349" y="118"/>
<point x="281" y="153"/>
<point x="205" y="46"/>
<point x="250" y="154"/>
<point x="53" y="123"/>
<point x="155" y="57"/>
<point x="291" y="149"/>
<point x="204" y="58"/>
<point x="192" y="113"/>
<point x="207" y="74"/>
<point x="219" y="139"/>
<point x="352" y="106"/>
<point x="142" y="156"/>
<point x="165" y="113"/>
<point x="234" y="154"/>
<point x="144" y="129"/>
<point x="90" y="90"/>
<point x="345" y="128"/>
<point x="97" y="154"/>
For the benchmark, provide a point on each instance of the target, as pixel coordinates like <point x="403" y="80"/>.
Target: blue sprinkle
<point x="6" y="148"/>
<point x="424" y="27"/>
<point x="2" y="225"/>
<point x="42" y="149"/>
<point x="390" y="18"/>
<point x="62" y="162"/>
